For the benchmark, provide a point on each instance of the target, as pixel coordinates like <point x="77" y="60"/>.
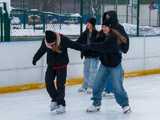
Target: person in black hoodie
<point x="55" y="45"/>
<point x="91" y="60"/>
<point x="115" y="43"/>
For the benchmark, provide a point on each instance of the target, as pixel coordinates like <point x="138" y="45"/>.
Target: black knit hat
<point x="92" y="21"/>
<point x="110" y="17"/>
<point x="106" y="23"/>
<point x="50" y="36"/>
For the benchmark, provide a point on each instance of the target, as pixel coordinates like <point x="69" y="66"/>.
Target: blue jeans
<point x="89" y="71"/>
<point x="108" y="85"/>
<point x="117" y="85"/>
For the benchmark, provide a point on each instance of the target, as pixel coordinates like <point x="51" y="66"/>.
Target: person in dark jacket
<point x="91" y="60"/>
<point x="111" y="56"/>
<point x="57" y="60"/>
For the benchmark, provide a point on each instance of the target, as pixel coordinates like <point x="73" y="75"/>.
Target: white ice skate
<point x="81" y="90"/>
<point x="61" y="109"/>
<point x="89" y="90"/>
<point x="93" y="108"/>
<point x="53" y="106"/>
<point x="126" y="109"/>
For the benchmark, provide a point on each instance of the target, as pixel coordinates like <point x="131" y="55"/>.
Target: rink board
<point x="17" y="72"/>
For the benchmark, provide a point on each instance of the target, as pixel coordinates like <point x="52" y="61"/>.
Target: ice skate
<point x="61" y="109"/>
<point x="53" y="106"/>
<point x="82" y="90"/>
<point x="126" y="109"/>
<point x="89" y="90"/>
<point x="93" y="108"/>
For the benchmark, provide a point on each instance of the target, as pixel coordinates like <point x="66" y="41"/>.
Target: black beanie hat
<point x="92" y="21"/>
<point x="106" y="23"/>
<point x="110" y="17"/>
<point x="50" y="36"/>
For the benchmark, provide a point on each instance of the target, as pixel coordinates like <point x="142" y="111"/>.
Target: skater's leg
<point x="108" y="85"/>
<point x="118" y="89"/>
<point x="61" y="80"/>
<point x="86" y="73"/>
<point x="93" y="68"/>
<point x="98" y="86"/>
<point x="49" y="81"/>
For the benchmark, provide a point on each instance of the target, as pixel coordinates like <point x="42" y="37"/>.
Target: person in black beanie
<point x="115" y="43"/>
<point x="91" y="60"/>
<point x="55" y="45"/>
<point x="111" y="19"/>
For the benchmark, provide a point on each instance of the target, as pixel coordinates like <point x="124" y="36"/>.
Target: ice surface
<point x="34" y="105"/>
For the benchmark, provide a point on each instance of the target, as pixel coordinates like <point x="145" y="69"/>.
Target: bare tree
<point x="42" y="5"/>
<point x="95" y="7"/>
<point x="48" y="5"/>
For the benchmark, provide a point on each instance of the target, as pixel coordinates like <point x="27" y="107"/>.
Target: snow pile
<point x="143" y="30"/>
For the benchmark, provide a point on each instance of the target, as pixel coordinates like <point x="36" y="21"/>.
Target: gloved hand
<point x="34" y="61"/>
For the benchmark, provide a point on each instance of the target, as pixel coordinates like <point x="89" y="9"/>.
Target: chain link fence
<point x="32" y="17"/>
<point x="33" y="23"/>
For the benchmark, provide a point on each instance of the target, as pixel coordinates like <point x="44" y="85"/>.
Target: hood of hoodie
<point x="110" y="17"/>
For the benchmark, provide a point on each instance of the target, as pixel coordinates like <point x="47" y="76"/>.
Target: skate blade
<point x="89" y="111"/>
<point x="127" y="111"/>
<point x="58" y="113"/>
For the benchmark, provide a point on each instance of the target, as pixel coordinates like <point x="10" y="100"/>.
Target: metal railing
<point x="4" y="23"/>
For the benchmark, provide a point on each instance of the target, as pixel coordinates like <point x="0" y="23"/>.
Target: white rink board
<point x="16" y="60"/>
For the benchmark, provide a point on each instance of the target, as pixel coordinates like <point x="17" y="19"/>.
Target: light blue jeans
<point x="117" y="75"/>
<point x="108" y="85"/>
<point x="90" y="69"/>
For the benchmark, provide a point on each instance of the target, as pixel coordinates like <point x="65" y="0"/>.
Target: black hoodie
<point x="53" y="58"/>
<point x="110" y="52"/>
<point x="83" y="40"/>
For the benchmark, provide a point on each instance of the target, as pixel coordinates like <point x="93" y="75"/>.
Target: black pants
<point x="56" y="90"/>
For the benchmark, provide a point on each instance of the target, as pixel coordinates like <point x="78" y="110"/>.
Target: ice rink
<point x="34" y="105"/>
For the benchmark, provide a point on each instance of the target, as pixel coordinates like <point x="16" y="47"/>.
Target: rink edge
<point x="74" y="81"/>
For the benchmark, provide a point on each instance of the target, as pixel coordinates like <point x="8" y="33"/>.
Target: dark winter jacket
<point x="57" y="59"/>
<point x="83" y="40"/>
<point x="111" y="52"/>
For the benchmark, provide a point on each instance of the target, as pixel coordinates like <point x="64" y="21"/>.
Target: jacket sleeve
<point x="103" y="47"/>
<point x="80" y="40"/>
<point x="41" y="51"/>
<point x="73" y="44"/>
<point x="124" y="46"/>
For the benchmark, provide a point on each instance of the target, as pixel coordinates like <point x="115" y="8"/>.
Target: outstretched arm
<point x="103" y="47"/>
<point x="41" y="51"/>
<point x="73" y="44"/>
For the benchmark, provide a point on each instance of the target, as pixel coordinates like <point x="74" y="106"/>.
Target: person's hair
<point x="50" y="36"/>
<point x="92" y="21"/>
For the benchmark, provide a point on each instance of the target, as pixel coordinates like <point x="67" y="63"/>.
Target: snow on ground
<point x="74" y="29"/>
<point x="144" y="30"/>
<point x="34" y="105"/>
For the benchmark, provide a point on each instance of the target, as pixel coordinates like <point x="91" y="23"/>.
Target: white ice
<point x="34" y="105"/>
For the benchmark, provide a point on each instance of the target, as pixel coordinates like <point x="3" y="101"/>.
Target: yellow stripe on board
<point x="19" y="88"/>
<point x="74" y="81"/>
<point x="142" y="73"/>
